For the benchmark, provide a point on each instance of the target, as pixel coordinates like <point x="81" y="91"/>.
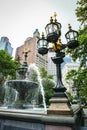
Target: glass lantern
<point x="53" y="31"/>
<point x="72" y="38"/>
<point x="42" y="45"/>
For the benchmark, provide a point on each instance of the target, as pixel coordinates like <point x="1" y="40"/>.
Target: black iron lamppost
<point x="53" y="33"/>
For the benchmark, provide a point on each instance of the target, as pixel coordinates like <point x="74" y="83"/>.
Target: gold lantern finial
<point x="42" y="34"/>
<point x="69" y="26"/>
<point x="55" y="15"/>
<point x="51" y="19"/>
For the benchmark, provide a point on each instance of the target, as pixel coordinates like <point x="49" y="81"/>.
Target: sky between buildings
<point x="20" y="18"/>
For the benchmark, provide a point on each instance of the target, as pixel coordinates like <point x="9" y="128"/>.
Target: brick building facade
<point x="33" y="56"/>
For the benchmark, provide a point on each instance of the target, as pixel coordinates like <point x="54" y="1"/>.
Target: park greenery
<point x="79" y="77"/>
<point x="8" y="67"/>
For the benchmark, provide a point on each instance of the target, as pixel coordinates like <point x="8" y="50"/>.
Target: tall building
<point x="67" y="67"/>
<point x="5" y="45"/>
<point x="33" y="56"/>
<point x="52" y="66"/>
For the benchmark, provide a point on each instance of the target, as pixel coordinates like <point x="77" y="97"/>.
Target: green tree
<point x="7" y="68"/>
<point x="80" y="53"/>
<point x="2" y="92"/>
<point x="81" y="11"/>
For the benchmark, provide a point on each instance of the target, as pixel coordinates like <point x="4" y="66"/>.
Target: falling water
<point x="16" y="96"/>
<point x="11" y="95"/>
<point x="35" y="68"/>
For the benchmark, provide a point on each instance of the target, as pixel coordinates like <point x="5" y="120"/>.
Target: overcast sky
<point x="20" y="18"/>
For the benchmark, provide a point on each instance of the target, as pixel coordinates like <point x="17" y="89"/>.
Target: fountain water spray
<point x="35" y="68"/>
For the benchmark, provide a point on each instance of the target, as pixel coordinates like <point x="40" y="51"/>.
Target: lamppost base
<point x="59" y="106"/>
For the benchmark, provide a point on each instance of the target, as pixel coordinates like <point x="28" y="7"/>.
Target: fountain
<point x="23" y="93"/>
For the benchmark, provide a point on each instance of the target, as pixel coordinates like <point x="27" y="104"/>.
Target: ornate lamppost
<point x="59" y="102"/>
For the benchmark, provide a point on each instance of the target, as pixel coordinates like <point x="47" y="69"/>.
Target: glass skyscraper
<point x="6" y="45"/>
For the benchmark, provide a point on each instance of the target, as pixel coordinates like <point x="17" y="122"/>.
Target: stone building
<point x="67" y="67"/>
<point x="30" y="45"/>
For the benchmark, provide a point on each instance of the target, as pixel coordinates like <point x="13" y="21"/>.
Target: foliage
<point x="8" y="66"/>
<point x="48" y="85"/>
<point x="70" y="97"/>
<point x="2" y="91"/>
<point x="43" y="72"/>
<point x="81" y="11"/>
<point x="79" y="77"/>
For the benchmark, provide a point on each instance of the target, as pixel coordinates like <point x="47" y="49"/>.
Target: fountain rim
<point x="22" y="81"/>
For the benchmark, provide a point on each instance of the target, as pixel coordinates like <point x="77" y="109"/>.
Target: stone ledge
<point x="38" y="117"/>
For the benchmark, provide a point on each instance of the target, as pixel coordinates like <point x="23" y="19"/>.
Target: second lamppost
<point x="59" y="102"/>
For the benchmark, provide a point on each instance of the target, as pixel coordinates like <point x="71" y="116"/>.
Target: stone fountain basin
<point x="21" y="84"/>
